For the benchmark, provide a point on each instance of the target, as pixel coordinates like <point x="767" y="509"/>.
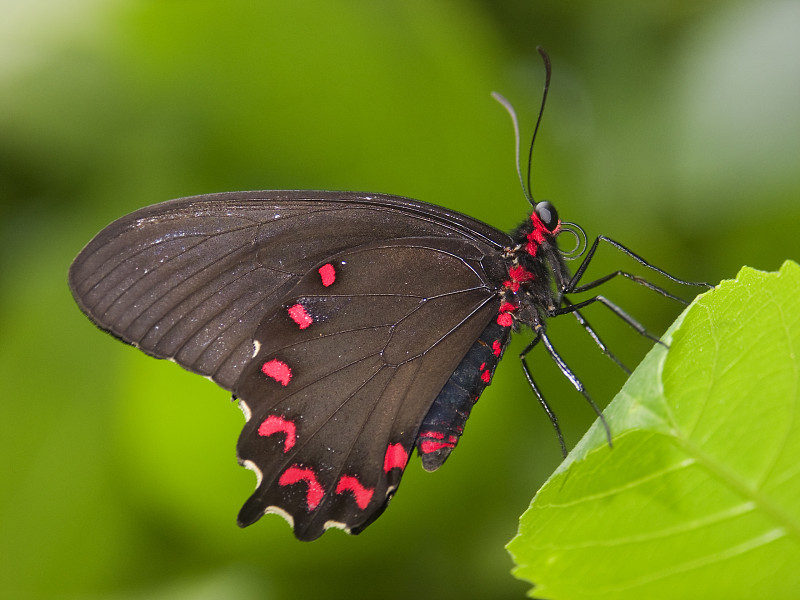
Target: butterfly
<point x="352" y="328"/>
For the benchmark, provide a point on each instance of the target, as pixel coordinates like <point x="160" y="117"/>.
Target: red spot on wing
<point x="277" y="370"/>
<point x="362" y="494"/>
<point x="300" y="316"/>
<point x="328" y="274"/>
<point x="496" y="348"/>
<point x="296" y="474"/>
<point x="396" y="457"/>
<point x="275" y="424"/>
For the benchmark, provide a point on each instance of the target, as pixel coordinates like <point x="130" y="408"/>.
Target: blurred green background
<point x="672" y="126"/>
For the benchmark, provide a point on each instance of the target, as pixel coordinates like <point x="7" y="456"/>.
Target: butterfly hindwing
<point x="347" y="368"/>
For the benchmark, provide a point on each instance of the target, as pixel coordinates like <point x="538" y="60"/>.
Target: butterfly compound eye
<point x="547" y="215"/>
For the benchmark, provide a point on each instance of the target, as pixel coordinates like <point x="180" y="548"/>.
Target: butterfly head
<point x="546" y="215"/>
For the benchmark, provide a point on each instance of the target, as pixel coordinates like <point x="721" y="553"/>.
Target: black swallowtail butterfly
<point x="352" y="328"/>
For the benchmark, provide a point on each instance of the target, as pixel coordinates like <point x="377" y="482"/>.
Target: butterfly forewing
<point x="191" y="279"/>
<point x="346" y="369"/>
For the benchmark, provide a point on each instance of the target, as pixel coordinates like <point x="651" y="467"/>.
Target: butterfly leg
<point x="541" y="336"/>
<point x="550" y="414"/>
<point x="571" y="308"/>
<point x="572" y="286"/>
<point x="590" y="330"/>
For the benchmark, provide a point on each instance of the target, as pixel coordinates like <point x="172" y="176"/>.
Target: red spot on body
<point x="300" y="316"/>
<point x="496" y="348"/>
<point x="437" y="443"/>
<point x="505" y="319"/>
<point x="486" y="376"/>
<point x="429" y="446"/>
<point x="296" y="474"/>
<point x="362" y="494"/>
<point x="534" y="241"/>
<point x="277" y="370"/>
<point x="520" y="274"/>
<point x="328" y="274"/>
<point x="536" y="237"/>
<point x="275" y="424"/>
<point x="507" y="307"/>
<point x="396" y="457"/>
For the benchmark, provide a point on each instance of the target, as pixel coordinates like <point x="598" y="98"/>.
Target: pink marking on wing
<point x="277" y="370"/>
<point x="396" y="457"/>
<point x="429" y="446"/>
<point x="486" y="376"/>
<point x="296" y="474"/>
<point x="497" y="349"/>
<point x="328" y="274"/>
<point x="275" y="424"/>
<point x="300" y="316"/>
<point x="362" y="494"/>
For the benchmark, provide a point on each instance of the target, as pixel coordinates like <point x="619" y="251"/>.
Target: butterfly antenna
<point x="512" y="113"/>
<point x="547" y="71"/>
<point x="526" y="183"/>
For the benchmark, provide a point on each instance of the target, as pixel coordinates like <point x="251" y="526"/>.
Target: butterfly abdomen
<point x="445" y="420"/>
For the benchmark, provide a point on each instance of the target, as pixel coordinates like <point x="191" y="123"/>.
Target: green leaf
<point x="700" y="495"/>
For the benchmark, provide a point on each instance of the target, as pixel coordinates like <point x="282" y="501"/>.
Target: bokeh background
<point x="672" y="126"/>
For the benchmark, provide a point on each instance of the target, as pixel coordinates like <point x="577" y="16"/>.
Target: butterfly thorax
<point x="534" y="263"/>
